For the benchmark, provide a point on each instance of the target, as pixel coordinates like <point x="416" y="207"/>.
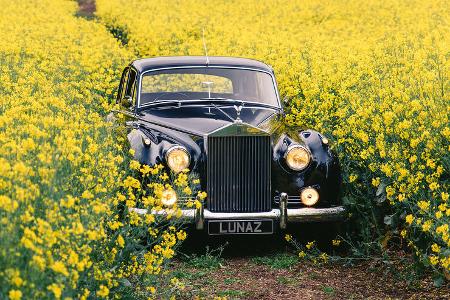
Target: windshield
<point x="206" y="83"/>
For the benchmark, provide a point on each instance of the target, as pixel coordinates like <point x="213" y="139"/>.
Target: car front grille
<point x="239" y="173"/>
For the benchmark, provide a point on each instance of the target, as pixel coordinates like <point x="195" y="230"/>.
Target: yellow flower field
<point x="374" y="76"/>
<point x="65" y="174"/>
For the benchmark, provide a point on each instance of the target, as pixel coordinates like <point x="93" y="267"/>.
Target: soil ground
<point x="268" y="269"/>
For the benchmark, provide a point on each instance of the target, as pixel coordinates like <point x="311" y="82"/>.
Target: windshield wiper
<point x="239" y="101"/>
<point x="224" y="112"/>
<point x="163" y="102"/>
<point x="223" y="99"/>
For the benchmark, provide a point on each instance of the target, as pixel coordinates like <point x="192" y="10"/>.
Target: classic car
<point x="221" y="117"/>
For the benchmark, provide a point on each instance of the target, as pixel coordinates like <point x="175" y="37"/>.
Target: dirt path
<point x="86" y="8"/>
<point x="280" y="277"/>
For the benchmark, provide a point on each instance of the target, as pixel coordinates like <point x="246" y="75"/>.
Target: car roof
<point x="147" y="64"/>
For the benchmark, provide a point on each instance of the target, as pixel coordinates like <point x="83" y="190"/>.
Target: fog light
<point x="309" y="196"/>
<point x="168" y="197"/>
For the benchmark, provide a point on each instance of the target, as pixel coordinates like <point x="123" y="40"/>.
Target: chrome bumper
<point x="283" y="214"/>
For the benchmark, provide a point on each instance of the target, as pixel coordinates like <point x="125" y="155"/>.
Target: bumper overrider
<point x="283" y="215"/>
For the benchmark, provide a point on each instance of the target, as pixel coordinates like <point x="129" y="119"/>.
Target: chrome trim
<point x="258" y="131"/>
<point x="255" y="104"/>
<point x="283" y="210"/>
<point x="210" y="66"/>
<point x="294" y="215"/>
<point x="292" y="146"/>
<point x="200" y="218"/>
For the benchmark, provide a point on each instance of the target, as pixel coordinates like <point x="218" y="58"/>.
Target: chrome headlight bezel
<point x="171" y="150"/>
<point x="297" y="146"/>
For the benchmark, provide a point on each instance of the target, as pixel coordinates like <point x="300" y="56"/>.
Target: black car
<point x="221" y="117"/>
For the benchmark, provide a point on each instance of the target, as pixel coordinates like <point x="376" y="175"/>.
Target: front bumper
<point x="282" y="214"/>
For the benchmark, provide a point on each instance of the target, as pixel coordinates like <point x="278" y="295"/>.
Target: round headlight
<point x="297" y="157"/>
<point x="309" y="196"/>
<point x="168" y="197"/>
<point x="177" y="158"/>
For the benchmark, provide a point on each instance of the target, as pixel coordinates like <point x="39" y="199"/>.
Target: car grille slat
<point x="239" y="173"/>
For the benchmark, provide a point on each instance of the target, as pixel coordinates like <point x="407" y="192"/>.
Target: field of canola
<point x="373" y="76"/>
<point x="65" y="172"/>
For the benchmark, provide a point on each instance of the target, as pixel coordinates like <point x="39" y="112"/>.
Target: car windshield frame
<point x="274" y="84"/>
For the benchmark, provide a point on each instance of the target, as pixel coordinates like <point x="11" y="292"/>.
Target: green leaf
<point x="438" y="281"/>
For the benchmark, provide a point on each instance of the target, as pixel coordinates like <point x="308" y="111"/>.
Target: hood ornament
<point x="238" y="113"/>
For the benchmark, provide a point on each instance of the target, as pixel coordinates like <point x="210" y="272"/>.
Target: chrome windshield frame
<point x="211" y="66"/>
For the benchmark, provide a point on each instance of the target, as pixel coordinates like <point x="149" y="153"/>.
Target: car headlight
<point x="177" y="158"/>
<point x="297" y="157"/>
<point x="168" y="197"/>
<point x="309" y="196"/>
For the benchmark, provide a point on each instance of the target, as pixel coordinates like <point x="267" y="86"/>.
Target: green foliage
<point x="277" y="261"/>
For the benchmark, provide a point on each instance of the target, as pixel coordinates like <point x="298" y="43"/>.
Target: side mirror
<point x="127" y="101"/>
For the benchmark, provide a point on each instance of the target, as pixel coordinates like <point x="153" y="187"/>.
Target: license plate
<point x="216" y="227"/>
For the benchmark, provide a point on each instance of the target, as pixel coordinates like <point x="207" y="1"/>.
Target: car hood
<point x="201" y="120"/>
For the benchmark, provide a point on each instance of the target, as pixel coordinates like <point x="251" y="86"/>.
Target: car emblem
<point x="238" y="113"/>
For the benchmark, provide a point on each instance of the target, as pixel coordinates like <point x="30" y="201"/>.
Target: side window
<point x="131" y="85"/>
<point x="123" y="81"/>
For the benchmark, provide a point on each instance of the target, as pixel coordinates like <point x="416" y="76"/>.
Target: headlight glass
<point x="297" y="157"/>
<point x="309" y="196"/>
<point x="168" y="197"/>
<point x="178" y="158"/>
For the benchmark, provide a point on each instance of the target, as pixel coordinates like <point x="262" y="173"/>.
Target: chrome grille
<point x="239" y="172"/>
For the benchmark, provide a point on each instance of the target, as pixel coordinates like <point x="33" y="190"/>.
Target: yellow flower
<point x="103" y="291"/>
<point x="201" y="195"/>
<point x="442" y="229"/>
<point x="434" y="186"/>
<point x="17" y="281"/>
<point x="288" y="237"/>
<point x="301" y="254"/>
<point x="435" y="248"/>
<point x="423" y="205"/>
<point x="181" y="235"/>
<point x="409" y="219"/>
<point x="15" y="295"/>
<point x="434" y="259"/>
<point x="134" y="165"/>
<point x="56" y="289"/>
<point x="187" y="190"/>
<point x="336" y="242"/>
<point x="309" y="245"/>
<point x="59" y="267"/>
<point x="120" y="241"/>
<point x="427" y="225"/>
